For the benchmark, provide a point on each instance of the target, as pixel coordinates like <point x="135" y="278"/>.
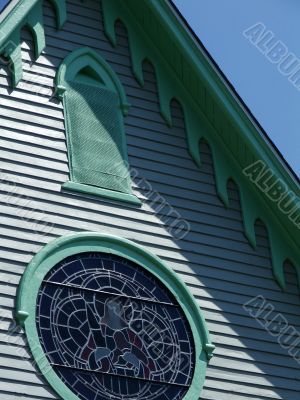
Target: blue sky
<point x="3" y="3"/>
<point x="269" y="94"/>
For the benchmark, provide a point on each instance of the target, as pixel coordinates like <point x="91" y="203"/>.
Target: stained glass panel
<point x="111" y="330"/>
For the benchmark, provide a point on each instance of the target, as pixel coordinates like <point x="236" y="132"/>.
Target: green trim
<point x="35" y="24"/>
<point x="211" y="109"/>
<point x="26" y="13"/>
<point x="212" y="112"/>
<point x="66" y="246"/>
<point x="86" y="66"/>
<point x="95" y="191"/>
<point x="86" y="57"/>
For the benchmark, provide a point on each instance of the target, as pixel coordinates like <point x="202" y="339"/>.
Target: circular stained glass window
<point x="111" y="330"/>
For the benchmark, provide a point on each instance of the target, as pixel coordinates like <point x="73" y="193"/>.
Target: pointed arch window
<point x="94" y="105"/>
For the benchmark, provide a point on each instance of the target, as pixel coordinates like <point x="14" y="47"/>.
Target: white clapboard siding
<point x="214" y="259"/>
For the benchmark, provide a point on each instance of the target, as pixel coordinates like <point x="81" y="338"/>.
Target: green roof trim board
<point x="66" y="246"/>
<point x="212" y="111"/>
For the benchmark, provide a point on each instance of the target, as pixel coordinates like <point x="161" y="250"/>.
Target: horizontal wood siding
<point x="214" y="258"/>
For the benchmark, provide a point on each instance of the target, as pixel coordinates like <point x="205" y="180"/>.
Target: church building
<point x="149" y="242"/>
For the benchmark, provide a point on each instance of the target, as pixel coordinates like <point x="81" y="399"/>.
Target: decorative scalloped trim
<point x="27" y="13"/>
<point x="199" y="126"/>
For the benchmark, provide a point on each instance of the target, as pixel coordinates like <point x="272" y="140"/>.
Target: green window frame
<point x="94" y="103"/>
<point x="66" y="246"/>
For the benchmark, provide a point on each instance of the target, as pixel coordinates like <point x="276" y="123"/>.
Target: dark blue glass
<point x="110" y="330"/>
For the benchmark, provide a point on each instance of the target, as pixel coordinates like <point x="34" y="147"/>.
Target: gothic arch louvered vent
<point x="94" y="105"/>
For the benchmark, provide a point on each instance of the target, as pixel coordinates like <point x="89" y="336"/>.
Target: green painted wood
<point x="26" y="13"/>
<point x="156" y="34"/>
<point x="95" y="191"/>
<point x="86" y="58"/>
<point x="66" y="246"/>
<point x="215" y="260"/>
<point x="94" y="101"/>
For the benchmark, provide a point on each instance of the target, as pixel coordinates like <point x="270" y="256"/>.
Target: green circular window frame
<point x="66" y="246"/>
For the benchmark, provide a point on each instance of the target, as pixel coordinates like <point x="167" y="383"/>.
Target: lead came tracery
<point x="111" y="330"/>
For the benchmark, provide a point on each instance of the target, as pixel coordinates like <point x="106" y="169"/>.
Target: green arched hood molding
<point x="212" y="112"/>
<point x="26" y="13"/>
<point x="66" y="246"/>
<point x="85" y="57"/>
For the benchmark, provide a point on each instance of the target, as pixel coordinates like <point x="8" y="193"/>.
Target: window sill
<point x="106" y="193"/>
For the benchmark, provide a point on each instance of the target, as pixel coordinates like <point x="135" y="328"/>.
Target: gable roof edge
<point x="211" y="112"/>
<point x="216" y="80"/>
